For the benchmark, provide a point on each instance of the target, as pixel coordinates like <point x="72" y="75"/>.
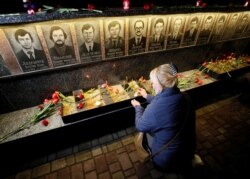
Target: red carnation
<point x="45" y="122"/>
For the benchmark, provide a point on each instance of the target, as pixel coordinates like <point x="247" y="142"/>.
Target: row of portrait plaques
<point x="53" y="44"/>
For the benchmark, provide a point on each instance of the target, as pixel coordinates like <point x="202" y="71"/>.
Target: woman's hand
<point x="142" y="92"/>
<point x="135" y="103"/>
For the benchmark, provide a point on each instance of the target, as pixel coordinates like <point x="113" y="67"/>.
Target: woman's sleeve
<point x="149" y="98"/>
<point x="143" y="119"/>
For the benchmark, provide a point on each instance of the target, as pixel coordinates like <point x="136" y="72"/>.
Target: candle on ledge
<point x="126" y="4"/>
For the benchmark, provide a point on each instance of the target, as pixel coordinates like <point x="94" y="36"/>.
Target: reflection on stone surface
<point x="11" y="121"/>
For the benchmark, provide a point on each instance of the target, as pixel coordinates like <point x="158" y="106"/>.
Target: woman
<point x="168" y="114"/>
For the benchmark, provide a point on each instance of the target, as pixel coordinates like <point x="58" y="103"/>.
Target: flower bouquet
<point x="47" y="109"/>
<point x="224" y="66"/>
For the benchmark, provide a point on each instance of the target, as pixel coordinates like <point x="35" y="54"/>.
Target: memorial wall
<point x="58" y="43"/>
<point x="68" y="54"/>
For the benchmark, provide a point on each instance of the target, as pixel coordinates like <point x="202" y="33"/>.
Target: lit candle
<point x="126" y="4"/>
<point x="98" y="103"/>
<point x="246" y="4"/>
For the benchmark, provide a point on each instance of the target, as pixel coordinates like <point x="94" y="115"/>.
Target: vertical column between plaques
<point x="74" y="41"/>
<point x="102" y="39"/>
<point x="44" y="44"/>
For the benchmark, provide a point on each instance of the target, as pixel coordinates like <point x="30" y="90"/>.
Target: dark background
<point x="14" y="6"/>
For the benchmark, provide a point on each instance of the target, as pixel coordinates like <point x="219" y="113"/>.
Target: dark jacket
<point x="142" y="44"/>
<point x="164" y="116"/>
<point x="171" y="41"/>
<point x="83" y="49"/>
<point x="160" y="41"/>
<point x="120" y="44"/>
<point x="188" y="37"/>
<point x="27" y="64"/>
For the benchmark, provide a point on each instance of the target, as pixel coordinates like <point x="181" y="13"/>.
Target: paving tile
<point x="89" y="165"/>
<point x="133" y="156"/>
<point x="115" y="145"/>
<point x="104" y="149"/>
<point x="70" y="160"/>
<point x="210" y="108"/>
<point x="105" y="175"/>
<point x="41" y="170"/>
<point x="58" y="164"/>
<point x="132" y="177"/>
<point x="118" y="175"/>
<point x="114" y="167"/>
<point x="130" y="172"/>
<point x="101" y="164"/>
<point x="222" y="130"/>
<point x="202" y="121"/>
<point x="130" y="147"/>
<point x="24" y="175"/>
<point x="64" y="173"/>
<point x="91" y="175"/>
<point x="121" y="150"/>
<point x="111" y="157"/>
<point x="200" y="112"/>
<point x="84" y="155"/>
<point x="51" y="176"/>
<point x="127" y="140"/>
<point x="124" y="161"/>
<point x="221" y="138"/>
<point x="76" y="171"/>
<point x="96" y="151"/>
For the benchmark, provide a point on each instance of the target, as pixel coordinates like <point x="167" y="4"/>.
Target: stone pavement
<point x="223" y="131"/>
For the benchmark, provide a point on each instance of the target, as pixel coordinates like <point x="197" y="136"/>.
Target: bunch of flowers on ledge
<point x="224" y="64"/>
<point x="47" y="109"/>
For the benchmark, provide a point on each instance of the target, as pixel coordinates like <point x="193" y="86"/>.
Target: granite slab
<point x="12" y="120"/>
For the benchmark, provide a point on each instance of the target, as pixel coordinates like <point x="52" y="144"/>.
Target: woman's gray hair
<point x="165" y="74"/>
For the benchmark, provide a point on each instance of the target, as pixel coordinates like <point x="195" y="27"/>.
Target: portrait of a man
<point x="27" y="51"/>
<point x="191" y="31"/>
<point x="246" y="31"/>
<point x="175" y="32"/>
<point x="114" y="43"/>
<point x="137" y="41"/>
<point x="241" y="25"/>
<point x="206" y="29"/>
<point x="230" y="26"/>
<point x="157" y="39"/>
<point x="219" y="27"/>
<point x="90" y="50"/>
<point x="61" y="53"/>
